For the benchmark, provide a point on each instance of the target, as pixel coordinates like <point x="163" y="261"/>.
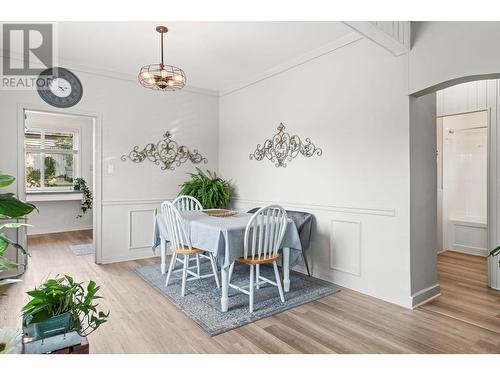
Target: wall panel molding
<point x="322" y="207"/>
<point x="345" y="246"/>
<point x="144" y="230"/>
<point x="133" y="202"/>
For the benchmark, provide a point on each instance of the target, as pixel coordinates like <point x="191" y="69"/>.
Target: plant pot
<point x="53" y="326"/>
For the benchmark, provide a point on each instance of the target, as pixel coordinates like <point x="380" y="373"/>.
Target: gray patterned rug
<point x="202" y="300"/>
<point x="83" y="249"/>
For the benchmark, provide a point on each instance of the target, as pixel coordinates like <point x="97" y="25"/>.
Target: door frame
<point x="97" y="164"/>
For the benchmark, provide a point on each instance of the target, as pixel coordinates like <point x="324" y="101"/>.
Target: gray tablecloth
<point x="303" y="222"/>
<point x="223" y="235"/>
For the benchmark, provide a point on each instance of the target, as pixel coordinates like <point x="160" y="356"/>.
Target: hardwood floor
<point x="143" y="321"/>
<point x="464" y="291"/>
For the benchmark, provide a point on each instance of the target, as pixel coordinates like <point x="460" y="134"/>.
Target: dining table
<point x="224" y="237"/>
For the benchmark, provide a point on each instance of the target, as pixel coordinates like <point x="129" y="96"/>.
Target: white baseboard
<point x="143" y="254"/>
<point x="425" y="295"/>
<point x="33" y="231"/>
<point x="478" y="251"/>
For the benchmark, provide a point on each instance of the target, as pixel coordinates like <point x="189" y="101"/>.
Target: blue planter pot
<point x="53" y="326"/>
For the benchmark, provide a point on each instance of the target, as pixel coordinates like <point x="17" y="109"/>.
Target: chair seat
<point x="250" y="261"/>
<point x="186" y="250"/>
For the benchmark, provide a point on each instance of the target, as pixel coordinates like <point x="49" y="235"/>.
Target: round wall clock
<point x="63" y="88"/>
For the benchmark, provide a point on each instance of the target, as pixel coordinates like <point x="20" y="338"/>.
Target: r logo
<point x="32" y="42"/>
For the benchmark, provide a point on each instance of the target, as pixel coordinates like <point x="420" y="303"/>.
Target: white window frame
<point x="76" y="152"/>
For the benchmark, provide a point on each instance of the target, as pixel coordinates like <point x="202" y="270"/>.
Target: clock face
<point x="63" y="89"/>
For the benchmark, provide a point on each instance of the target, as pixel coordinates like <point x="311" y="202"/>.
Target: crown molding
<point x="73" y="66"/>
<point x="302" y="59"/>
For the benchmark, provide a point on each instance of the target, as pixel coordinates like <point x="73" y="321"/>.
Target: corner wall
<point x="353" y="104"/>
<point x="423" y="199"/>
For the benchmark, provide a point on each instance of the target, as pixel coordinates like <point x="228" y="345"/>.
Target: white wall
<point x="131" y="115"/>
<point x="447" y="51"/>
<point x="353" y="104"/>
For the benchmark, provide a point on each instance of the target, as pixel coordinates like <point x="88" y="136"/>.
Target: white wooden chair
<point x="187" y="203"/>
<point x="263" y="236"/>
<point x="181" y="245"/>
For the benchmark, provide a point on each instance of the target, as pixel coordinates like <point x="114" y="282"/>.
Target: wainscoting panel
<point x="345" y="246"/>
<point x="140" y="224"/>
<point x="127" y="230"/>
<point x="351" y="245"/>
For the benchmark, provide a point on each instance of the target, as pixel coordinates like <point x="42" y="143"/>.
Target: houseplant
<point x="81" y="185"/>
<point x="211" y="190"/>
<point x="495" y="252"/>
<point x="12" y="210"/>
<point x="61" y="305"/>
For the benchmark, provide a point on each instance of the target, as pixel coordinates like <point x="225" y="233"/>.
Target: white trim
<point x="471" y="250"/>
<point x="425" y="295"/>
<point x="323" y="207"/>
<point x="133" y="202"/>
<point x="132" y="255"/>
<point x="130" y="212"/>
<point x="33" y="232"/>
<point x="53" y="196"/>
<point x="311" y="55"/>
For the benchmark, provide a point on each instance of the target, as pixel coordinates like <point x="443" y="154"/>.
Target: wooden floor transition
<point x="143" y="321"/>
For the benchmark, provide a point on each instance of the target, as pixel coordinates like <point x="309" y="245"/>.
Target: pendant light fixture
<point x="160" y="76"/>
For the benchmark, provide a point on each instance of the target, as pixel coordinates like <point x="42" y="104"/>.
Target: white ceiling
<point x="214" y="55"/>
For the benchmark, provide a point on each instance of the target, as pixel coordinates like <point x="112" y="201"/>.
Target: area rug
<point x="83" y="249"/>
<point x="202" y="300"/>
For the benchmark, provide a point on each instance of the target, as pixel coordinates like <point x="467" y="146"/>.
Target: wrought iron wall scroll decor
<point x="283" y="147"/>
<point x="166" y="153"/>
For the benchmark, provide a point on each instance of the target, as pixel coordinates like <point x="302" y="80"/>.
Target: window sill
<point x="49" y="196"/>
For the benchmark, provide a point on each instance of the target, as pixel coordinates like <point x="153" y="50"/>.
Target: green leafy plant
<point x="494" y="253"/>
<point x="11" y="211"/>
<point x="211" y="190"/>
<point x="80" y="184"/>
<point x="63" y="295"/>
<point x="50" y="167"/>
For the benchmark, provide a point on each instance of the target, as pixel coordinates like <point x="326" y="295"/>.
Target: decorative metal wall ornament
<point x="283" y="147"/>
<point x="166" y="153"/>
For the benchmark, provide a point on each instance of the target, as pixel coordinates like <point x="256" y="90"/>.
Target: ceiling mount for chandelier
<point x="161" y="76"/>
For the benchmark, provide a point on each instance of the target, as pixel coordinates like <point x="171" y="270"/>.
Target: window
<point x="51" y="159"/>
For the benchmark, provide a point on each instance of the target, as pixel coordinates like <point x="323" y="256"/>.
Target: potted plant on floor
<point x="211" y="190"/>
<point x="61" y="305"/>
<point x="12" y="211"/>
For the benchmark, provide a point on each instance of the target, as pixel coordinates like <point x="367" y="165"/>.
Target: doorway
<point x="59" y="168"/>
<point x="462" y="157"/>
<point x="463" y="131"/>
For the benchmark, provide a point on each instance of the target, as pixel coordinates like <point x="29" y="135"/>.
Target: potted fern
<point x="211" y="190"/>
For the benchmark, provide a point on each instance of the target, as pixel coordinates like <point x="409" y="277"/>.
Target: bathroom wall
<point x="465" y="179"/>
